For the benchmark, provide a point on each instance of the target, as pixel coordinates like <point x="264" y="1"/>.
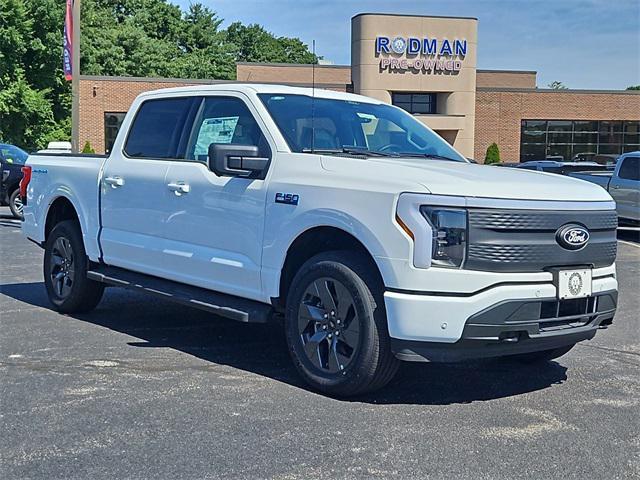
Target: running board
<point x="229" y="306"/>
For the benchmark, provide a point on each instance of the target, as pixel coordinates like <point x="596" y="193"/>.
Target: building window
<point x="112" y="122"/>
<point x="415" y="103"/>
<point x="577" y="139"/>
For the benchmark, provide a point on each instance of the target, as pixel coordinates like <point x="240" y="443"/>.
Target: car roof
<point x="258" y="88"/>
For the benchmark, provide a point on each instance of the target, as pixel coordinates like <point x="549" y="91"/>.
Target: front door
<point x="135" y="199"/>
<point x="215" y="225"/>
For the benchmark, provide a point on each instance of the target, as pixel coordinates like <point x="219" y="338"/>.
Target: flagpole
<point x="75" y="81"/>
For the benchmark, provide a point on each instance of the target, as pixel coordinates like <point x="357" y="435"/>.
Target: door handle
<point x="179" y="188"/>
<point x="115" y="182"/>
<point x="616" y="187"/>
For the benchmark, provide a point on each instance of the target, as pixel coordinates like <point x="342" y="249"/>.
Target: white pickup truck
<point x="371" y="237"/>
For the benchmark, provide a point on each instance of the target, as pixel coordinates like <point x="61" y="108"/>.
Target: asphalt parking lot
<point x="141" y="388"/>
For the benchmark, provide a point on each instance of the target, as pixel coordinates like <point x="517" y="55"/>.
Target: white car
<point x="373" y="238"/>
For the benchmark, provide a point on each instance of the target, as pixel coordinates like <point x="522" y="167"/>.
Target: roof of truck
<point x="256" y="88"/>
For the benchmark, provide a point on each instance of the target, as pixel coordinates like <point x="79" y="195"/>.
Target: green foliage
<point x="633" y="87"/>
<point x="556" y="85"/>
<point x="87" y="148"/>
<point x="34" y="98"/>
<point x="254" y="44"/>
<point x="145" y="38"/>
<point x="492" y="155"/>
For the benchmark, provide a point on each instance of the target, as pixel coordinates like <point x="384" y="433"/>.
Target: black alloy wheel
<point x="65" y="270"/>
<point x="62" y="267"/>
<point x="328" y="325"/>
<point x="336" y="325"/>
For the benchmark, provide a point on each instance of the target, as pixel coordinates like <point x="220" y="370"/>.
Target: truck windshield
<point x="353" y="128"/>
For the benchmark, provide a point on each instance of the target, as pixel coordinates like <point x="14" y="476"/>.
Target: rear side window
<point x="630" y="168"/>
<point x="157" y="128"/>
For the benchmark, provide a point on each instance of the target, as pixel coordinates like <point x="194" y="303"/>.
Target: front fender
<point x="279" y="239"/>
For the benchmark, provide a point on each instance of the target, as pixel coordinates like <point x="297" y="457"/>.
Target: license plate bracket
<point x="574" y="283"/>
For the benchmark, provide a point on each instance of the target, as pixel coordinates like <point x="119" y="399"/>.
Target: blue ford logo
<point x="572" y="237"/>
<point x="398" y="45"/>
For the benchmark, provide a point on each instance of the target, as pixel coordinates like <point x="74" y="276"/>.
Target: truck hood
<point x="467" y="179"/>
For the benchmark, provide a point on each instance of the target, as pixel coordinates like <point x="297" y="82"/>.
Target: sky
<point x="585" y="44"/>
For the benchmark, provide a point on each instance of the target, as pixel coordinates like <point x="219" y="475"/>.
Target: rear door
<point x="215" y="225"/>
<point x="625" y="187"/>
<point x="135" y="201"/>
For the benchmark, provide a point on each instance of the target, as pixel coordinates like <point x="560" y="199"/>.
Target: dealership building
<point x="427" y="66"/>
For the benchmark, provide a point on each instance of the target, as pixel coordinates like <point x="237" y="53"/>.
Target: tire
<point x="541" y="357"/>
<point x="346" y="352"/>
<point x="65" y="271"/>
<point x="15" y="204"/>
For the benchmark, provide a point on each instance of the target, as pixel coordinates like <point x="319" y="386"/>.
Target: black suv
<point x="12" y="160"/>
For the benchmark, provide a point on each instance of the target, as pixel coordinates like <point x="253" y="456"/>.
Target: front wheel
<point x="336" y="327"/>
<point x="541" y="357"/>
<point x="65" y="271"/>
<point x="15" y="204"/>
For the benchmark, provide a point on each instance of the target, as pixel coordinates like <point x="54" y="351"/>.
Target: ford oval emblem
<point x="572" y="237"/>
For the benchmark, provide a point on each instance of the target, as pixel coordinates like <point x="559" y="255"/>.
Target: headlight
<point x="449" y="239"/>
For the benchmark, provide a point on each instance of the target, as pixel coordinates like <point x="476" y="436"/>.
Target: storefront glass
<point x="577" y="139"/>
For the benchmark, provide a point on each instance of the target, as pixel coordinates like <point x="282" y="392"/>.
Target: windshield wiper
<point x="351" y="151"/>
<point x="427" y="155"/>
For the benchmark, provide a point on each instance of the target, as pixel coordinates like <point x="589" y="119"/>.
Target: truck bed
<point x="73" y="176"/>
<point x="597" y="177"/>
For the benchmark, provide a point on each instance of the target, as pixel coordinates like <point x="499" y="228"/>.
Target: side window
<point x="157" y="128"/>
<point x="224" y="120"/>
<point x="630" y="168"/>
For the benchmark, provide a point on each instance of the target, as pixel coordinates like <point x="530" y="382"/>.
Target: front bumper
<point x="503" y="320"/>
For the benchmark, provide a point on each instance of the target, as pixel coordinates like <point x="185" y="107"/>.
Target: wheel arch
<point x="60" y="209"/>
<point x="311" y="242"/>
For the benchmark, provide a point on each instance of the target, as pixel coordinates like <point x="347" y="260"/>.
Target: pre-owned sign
<point x="420" y="54"/>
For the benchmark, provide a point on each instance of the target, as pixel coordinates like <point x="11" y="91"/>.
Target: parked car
<point x="12" y="160"/>
<point x="623" y="184"/>
<point x="562" y="168"/>
<point x="370" y="236"/>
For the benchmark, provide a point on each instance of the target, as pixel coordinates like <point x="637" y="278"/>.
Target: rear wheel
<point x="541" y="357"/>
<point x="336" y="326"/>
<point x="15" y="204"/>
<point x="65" y="271"/>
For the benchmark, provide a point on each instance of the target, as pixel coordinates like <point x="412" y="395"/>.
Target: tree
<point x="144" y="38"/>
<point x="87" y="148"/>
<point x="492" y="155"/>
<point x="633" y="87"/>
<point x="254" y="44"/>
<point x="556" y="85"/>
<point x="34" y="98"/>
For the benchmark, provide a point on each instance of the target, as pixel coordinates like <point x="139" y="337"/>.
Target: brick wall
<point x="505" y="79"/>
<point x="99" y="96"/>
<point x="498" y="113"/>
<point x="333" y="77"/>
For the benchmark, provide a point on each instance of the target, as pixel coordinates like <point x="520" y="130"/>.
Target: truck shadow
<point x="261" y="349"/>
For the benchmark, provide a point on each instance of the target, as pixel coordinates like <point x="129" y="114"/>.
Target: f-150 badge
<point x="288" y="198"/>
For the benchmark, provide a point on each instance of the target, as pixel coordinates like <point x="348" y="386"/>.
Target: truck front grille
<point x="525" y="240"/>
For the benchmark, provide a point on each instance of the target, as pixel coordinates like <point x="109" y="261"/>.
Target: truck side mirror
<point x="226" y="160"/>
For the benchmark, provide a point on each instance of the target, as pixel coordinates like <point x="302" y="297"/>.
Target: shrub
<point x="493" y="154"/>
<point x="87" y="148"/>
